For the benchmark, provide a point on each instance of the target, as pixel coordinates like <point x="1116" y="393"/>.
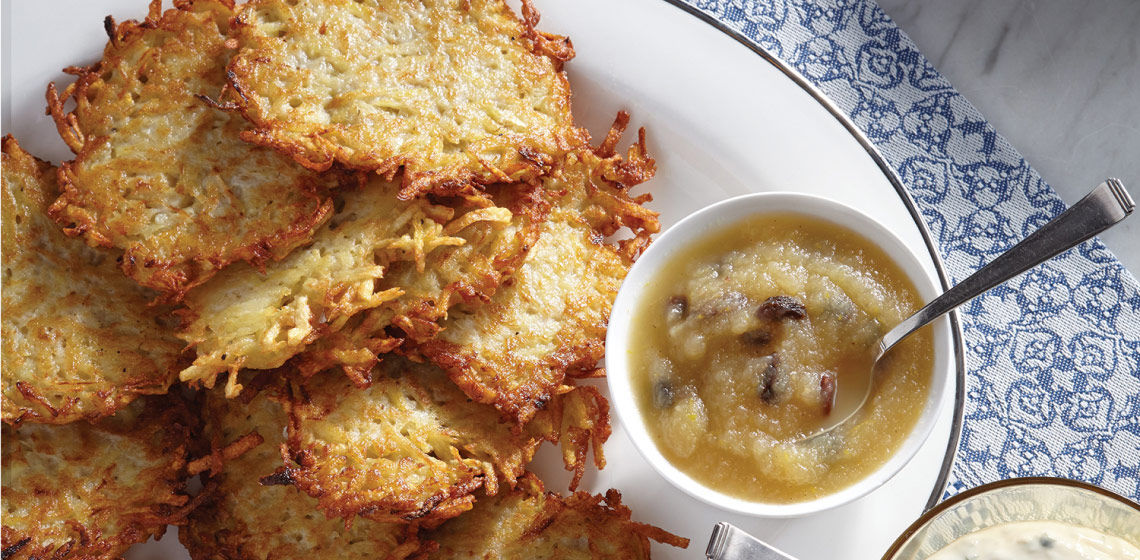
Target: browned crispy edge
<point x="517" y="406"/>
<point x="600" y="510"/>
<point x="576" y="441"/>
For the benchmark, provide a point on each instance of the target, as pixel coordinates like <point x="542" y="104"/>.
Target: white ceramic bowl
<point x="716" y="218"/>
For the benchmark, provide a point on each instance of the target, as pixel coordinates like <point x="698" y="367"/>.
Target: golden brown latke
<point x="161" y="173"/>
<point x="468" y="273"/>
<point x="527" y="523"/>
<point x="258" y="319"/>
<point x="91" y="490"/>
<point x="550" y="318"/>
<point x="410" y="447"/>
<point x="456" y="92"/>
<point x="242" y="519"/>
<point x="413" y="447"/>
<point x="79" y="340"/>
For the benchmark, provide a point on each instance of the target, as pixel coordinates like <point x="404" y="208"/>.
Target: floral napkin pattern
<point x="1053" y="356"/>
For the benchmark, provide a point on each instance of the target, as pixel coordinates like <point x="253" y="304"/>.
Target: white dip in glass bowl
<point x="1025" y="518"/>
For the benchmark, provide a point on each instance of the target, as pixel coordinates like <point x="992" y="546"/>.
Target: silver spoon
<point x="1102" y="208"/>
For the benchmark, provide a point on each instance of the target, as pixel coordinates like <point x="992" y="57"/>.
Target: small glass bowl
<point x="1015" y="500"/>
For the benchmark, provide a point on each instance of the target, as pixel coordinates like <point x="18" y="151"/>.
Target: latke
<point x="258" y="319"/>
<point x="92" y="490"/>
<point x="549" y="319"/>
<point x="79" y="339"/>
<point x="162" y="174"/>
<point x="413" y="447"/>
<point x="456" y="92"/>
<point x="465" y="274"/>
<point x="242" y="519"/>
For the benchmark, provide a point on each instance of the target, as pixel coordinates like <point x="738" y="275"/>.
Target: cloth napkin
<point x="1053" y="356"/>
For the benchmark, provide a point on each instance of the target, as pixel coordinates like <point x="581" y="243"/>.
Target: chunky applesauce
<point x="744" y="342"/>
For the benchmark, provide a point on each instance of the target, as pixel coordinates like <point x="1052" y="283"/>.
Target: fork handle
<point x="728" y="542"/>
<point x="1106" y="205"/>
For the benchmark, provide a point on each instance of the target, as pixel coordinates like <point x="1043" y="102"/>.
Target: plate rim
<point x="951" y="453"/>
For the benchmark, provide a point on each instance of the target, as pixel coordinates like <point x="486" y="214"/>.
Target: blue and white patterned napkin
<point x="1053" y="356"/>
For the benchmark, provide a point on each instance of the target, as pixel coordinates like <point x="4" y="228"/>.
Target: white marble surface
<point x="1059" y="79"/>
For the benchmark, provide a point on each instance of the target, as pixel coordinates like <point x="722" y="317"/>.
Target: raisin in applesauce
<point x="744" y="341"/>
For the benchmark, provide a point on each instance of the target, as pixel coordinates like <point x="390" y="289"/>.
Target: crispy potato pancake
<point x="161" y="173"/>
<point x="469" y="273"/>
<point x="245" y="520"/>
<point x="456" y="92"/>
<point x="369" y="256"/>
<point x="413" y="447"/>
<point x="79" y="339"/>
<point x="550" y="318"/>
<point x="515" y="351"/>
<point x="410" y="447"/>
<point x="91" y="490"/>
<point x="527" y="523"/>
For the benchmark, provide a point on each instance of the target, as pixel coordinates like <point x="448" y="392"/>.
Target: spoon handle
<point x="1106" y="205"/>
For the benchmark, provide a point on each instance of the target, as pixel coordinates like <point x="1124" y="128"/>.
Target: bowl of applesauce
<point x="1034" y="518"/>
<point x="742" y="328"/>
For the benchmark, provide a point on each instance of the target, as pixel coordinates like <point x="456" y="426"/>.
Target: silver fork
<point x="728" y="542"/>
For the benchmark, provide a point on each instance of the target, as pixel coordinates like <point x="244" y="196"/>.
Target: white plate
<point x="721" y="121"/>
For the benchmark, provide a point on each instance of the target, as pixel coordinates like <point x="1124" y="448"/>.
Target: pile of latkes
<point x="373" y="246"/>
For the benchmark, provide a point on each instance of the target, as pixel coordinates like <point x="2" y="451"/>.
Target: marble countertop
<point x="1059" y="79"/>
